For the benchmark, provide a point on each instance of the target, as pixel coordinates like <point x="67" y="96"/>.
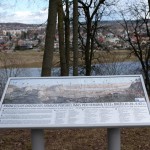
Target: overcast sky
<point x="35" y="11"/>
<point x="23" y="11"/>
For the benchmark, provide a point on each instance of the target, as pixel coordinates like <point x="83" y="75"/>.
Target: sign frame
<point x="103" y="125"/>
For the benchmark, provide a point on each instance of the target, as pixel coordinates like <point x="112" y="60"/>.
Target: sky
<point x="24" y="11"/>
<point x="37" y="82"/>
<point x="36" y="11"/>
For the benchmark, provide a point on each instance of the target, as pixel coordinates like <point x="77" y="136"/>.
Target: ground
<point x="75" y="139"/>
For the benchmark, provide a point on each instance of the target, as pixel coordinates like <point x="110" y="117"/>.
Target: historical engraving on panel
<point x="74" y="90"/>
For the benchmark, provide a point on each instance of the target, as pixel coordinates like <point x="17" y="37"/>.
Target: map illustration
<point x="74" y="90"/>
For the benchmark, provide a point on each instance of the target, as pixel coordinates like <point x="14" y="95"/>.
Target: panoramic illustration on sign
<point x="74" y="90"/>
<point x="74" y="102"/>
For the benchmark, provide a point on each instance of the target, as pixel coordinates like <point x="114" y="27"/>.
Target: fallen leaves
<point x="73" y="139"/>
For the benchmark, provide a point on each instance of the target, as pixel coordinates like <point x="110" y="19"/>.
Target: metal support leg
<point x="114" y="141"/>
<point x="37" y="139"/>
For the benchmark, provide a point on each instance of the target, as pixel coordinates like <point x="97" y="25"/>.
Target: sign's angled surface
<point x="97" y="101"/>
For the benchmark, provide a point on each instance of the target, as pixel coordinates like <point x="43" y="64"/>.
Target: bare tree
<point x="63" y="63"/>
<point x="50" y="36"/>
<point x="89" y="10"/>
<point x="110" y="64"/>
<point x="9" y="68"/>
<point x="137" y="34"/>
<point x="67" y="35"/>
<point x="75" y="37"/>
<point x="149" y="4"/>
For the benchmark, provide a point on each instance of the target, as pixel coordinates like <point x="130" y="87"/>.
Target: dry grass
<point x="33" y="59"/>
<point x="26" y="58"/>
<point x="75" y="139"/>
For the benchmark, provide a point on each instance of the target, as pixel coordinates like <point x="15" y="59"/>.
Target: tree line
<point x="86" y="15"/>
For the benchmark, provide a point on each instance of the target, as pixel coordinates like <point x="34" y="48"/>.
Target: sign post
<point x="114" y="140"/>
<point x="37" y="139"/>
<point x="109" y="102"/>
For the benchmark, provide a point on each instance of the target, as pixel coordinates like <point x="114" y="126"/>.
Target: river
<point x="118" y="68"/>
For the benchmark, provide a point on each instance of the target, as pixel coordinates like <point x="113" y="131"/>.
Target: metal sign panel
<point x="96" y="101"/>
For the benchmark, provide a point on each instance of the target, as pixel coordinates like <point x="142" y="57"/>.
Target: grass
<point x="33" y="59"/>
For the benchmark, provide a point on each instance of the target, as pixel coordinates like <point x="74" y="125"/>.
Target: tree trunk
<point x="63" y="63"/>
<point x="87" y="49"/>
<point x="149" y="4"/>
<point x="49" y="40"/>
<point x="75" y="37"/>
<point x="67" y="36"/>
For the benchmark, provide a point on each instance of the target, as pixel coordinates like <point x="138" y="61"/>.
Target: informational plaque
<point x="96" y="101"/>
